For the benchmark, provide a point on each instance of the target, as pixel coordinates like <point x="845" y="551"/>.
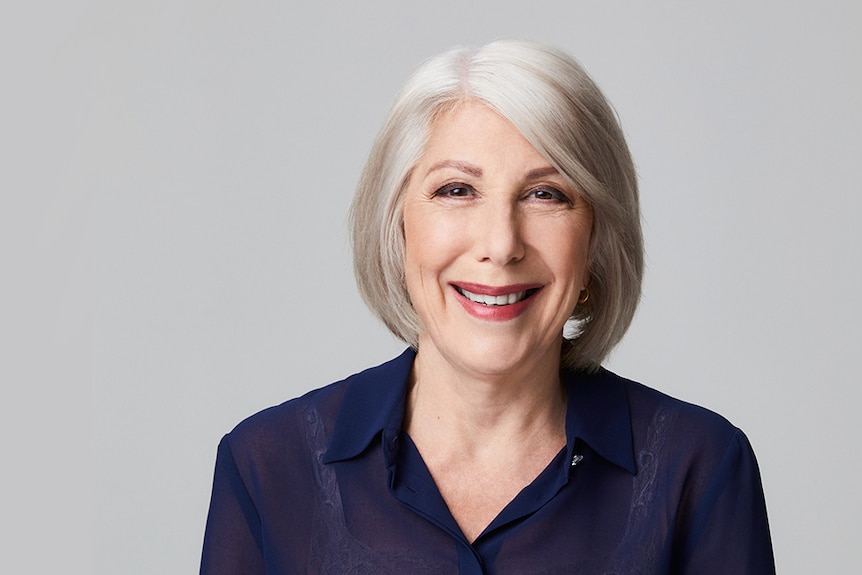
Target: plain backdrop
<point x="175" y="182"/>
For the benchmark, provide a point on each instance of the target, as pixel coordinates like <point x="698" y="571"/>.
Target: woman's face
<point x="496" y="245"/>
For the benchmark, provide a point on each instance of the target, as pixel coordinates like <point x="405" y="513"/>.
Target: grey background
<point x="175" y="180"/>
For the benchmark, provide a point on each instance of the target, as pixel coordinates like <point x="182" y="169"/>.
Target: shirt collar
<point x="373" y="401"/>
<point x="598" y="411"/>
<point x="598" y="414"/>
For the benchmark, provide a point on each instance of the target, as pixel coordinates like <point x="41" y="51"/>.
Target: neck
<point x="473" y="410"/>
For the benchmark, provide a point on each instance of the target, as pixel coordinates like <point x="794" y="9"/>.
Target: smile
<point x="496" y="300"/>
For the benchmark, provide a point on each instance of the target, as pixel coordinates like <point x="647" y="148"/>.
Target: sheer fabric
<point x="328" y="483"/>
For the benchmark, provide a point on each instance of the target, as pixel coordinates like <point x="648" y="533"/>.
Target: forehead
<point x="473" y="132"/>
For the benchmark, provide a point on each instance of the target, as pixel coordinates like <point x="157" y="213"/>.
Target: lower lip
<point x="494" y="312"/>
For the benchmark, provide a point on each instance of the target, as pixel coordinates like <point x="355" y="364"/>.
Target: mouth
<point x="496" y="300"/>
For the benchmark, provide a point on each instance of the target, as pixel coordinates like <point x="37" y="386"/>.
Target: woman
<point x="498" y="206"/>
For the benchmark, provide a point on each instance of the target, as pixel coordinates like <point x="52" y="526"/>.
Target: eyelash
<point x="555" y="194"/>
<point x="446" y="191"/>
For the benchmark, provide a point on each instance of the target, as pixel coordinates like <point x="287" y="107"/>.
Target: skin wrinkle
<point x="524" y="211"/>
<point x="465" y="167"/>
<point x="506" y="77"/>
<point x="485" y="395"/>
<point x="476" y="171"/>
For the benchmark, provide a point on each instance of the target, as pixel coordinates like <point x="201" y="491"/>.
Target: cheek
<point x="580" y="260"/>
<point x="567" y="254"/>
<point x="427" y="253"/>
<point x="419" y="260"/>
<point x="415" y="237"/>
<point x="431" y="240"/>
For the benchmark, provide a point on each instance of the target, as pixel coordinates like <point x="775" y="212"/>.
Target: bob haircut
<point x="555" y="105"/>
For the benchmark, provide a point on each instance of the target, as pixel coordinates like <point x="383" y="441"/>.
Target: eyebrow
<point x="540" y="173"/>
<point x="465" y="167"/>
<point x="476" y="171"/>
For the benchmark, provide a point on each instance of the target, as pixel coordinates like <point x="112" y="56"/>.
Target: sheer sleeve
<point x="232" y="541"/>
<point x="727" y="529"/>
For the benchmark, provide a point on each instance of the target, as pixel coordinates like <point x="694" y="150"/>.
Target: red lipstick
<point x="467" y="293"/>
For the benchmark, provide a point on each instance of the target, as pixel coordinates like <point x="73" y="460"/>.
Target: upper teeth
<point x="507" y="299"/>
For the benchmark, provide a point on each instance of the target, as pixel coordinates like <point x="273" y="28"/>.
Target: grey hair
<point x="555" y="105"/>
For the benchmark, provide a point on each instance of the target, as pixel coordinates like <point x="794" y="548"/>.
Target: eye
<point x="455" y="190"/>
<point x="547" y="193"/>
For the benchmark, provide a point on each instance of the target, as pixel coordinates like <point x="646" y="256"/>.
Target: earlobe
<point x="585" y="290"/>
<point x="584" y="295"/>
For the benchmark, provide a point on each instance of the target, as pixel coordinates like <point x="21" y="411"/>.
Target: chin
<point x="492" y="357"/>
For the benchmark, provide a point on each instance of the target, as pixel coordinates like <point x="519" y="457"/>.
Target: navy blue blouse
<point x="329" y="483"/>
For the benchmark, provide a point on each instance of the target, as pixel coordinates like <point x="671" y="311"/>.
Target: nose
<point x="497" y="233"/>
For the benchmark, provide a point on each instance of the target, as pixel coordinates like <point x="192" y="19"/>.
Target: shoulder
<point x="690" y="439"/>
<point x="652" y="409"/>
<point x="689" y="474"/>
<point x="278" y="430"/>
<point x="705" y="465"/>
<point x="309" y="422"/>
